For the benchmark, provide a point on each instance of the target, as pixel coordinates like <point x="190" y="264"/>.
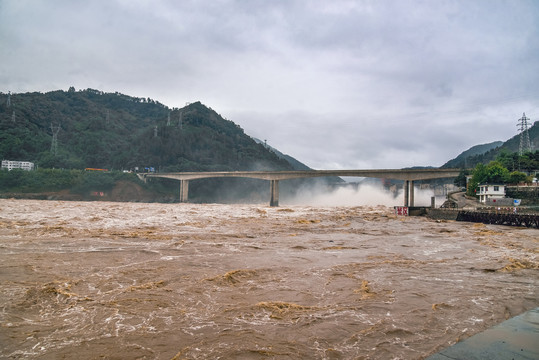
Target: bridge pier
<point x="408" y="193"/>
<point x="274" y="191"/>
<point x="411" y="193"/>
<point x="405" y="189"/>
<point x="184" y="191"/>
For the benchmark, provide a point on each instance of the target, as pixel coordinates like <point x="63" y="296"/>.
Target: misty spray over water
<point x="365" y="194"/>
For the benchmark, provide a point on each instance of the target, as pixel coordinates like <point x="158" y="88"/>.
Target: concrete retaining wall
<point x="442" y="214"/>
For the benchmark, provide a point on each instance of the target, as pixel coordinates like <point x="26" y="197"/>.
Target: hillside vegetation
<point x="461" y="161"/>
<point x="483" y="154"/>
<point x="116" y="131"/>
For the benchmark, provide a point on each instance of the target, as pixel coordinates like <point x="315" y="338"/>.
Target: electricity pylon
<point x="54" y="144"/>
<point x="525" y="145"/>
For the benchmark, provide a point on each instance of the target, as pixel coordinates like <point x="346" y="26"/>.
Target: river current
<point x="105" y="280"/>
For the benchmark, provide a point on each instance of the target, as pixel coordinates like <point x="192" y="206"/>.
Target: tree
<point x="516" y="177"/>
<point x="508" y="160"/>
<point x="529" y="161"/>
<point x="493" y="173"/>
<point x="460" y="180"/>
<point x="496" y="173"/>
<point x="513" y="161"/>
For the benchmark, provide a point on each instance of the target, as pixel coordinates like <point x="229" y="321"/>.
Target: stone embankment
<point x="442" y="214"/>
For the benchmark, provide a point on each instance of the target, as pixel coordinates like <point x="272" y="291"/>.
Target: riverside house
<point x="491" y="192"/>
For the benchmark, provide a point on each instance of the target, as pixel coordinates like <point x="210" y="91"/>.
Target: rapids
<point x="188" y="281"/>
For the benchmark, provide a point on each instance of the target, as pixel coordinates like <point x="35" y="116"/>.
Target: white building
<point x="25" y="165"/>
<point x="491" y="192"/>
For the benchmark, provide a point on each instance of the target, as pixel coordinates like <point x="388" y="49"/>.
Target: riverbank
<point x="122" y="191"/>
<point x="514" y="339"/>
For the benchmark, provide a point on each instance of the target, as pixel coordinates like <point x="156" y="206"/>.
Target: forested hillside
<point x="461" y="160"/>
<point x="119" y="132"/>
<point x="483" y="154"/>
<point x="115" y="131"/>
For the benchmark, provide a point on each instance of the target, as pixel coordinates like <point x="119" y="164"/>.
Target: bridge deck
<point x="408" y="175"/>
<point x="398" y="174"/>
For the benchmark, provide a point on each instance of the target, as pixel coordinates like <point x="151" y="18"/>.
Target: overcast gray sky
<point x="337" y="84"/>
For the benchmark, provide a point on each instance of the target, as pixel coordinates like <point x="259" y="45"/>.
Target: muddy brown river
<point x="105" y="280"/>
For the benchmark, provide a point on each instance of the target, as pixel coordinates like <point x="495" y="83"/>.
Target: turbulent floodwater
<point x="92" y="280"/>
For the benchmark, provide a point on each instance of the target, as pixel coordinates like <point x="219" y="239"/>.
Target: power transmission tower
<point x="54" y="144"/>
<point x="525" y="145"/>
<point x="155" y="131"/>
<point x="8" y="102"/>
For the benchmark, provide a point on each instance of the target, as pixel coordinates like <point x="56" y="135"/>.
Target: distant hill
<point x="489" y="152"/>
<point x="460" y="161"/>
<point x="93" y="129"/>
<point x="117" y="131"/>
<point x="296" y="164"/>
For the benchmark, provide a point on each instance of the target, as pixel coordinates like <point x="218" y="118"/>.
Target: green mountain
<point x="461" y="160"/>
<point x="115" y="131"/>
<point x="92" y="129"/>
<point x="296" y="164"/>
<point x="489" y="152"/>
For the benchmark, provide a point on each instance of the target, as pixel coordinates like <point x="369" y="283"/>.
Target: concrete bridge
<point x="408" y="175"/>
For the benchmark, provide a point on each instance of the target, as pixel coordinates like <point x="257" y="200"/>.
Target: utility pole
<point x="525" y="145"/>
<point x="54" y="144"/>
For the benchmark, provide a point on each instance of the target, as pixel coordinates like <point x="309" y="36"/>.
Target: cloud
<point x="346" y="83"/>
